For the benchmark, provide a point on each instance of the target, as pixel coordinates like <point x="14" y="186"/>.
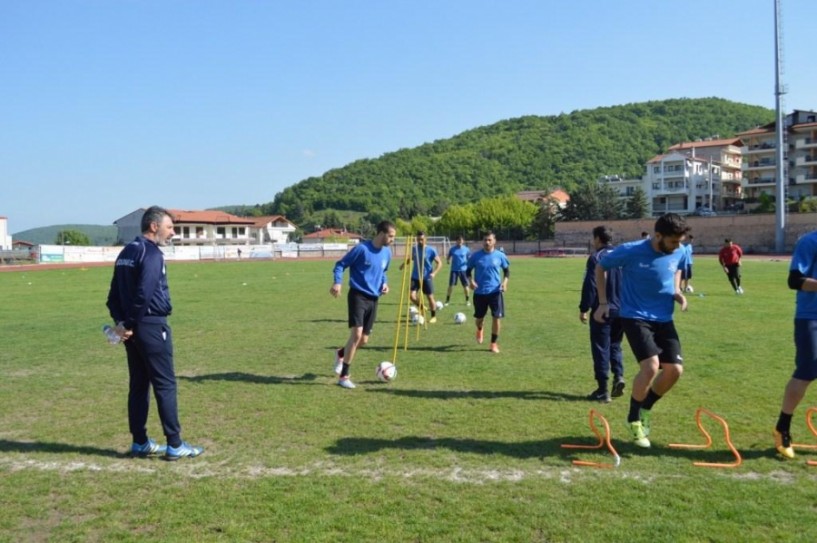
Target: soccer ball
<point x="459" y="318"/>
<point x="413" y="310"/>
<point x="439" y="304"/>
<point x="386" y="371"/>
<point x="420" y="320"/>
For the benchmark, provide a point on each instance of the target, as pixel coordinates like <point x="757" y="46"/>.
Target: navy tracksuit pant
<point x="150" y="362"/>
<point x="605" y="346"/>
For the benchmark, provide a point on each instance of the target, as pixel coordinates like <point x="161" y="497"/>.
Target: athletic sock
<point x="494" y="337"/>
<point x="345" y="371"/>
<point x="635" y="407"/>
<point x="784" y="423"/>
<point x="650" y="400"/>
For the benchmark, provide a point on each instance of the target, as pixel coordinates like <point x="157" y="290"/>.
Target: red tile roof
<point x="333" y="233"/>
<point x="711" y="143"/>
<point x="207" y="217"/>
<point x="260" y="222"/>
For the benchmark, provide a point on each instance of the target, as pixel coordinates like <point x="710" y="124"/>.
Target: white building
<point x="680" y="183"/>
<point x="5" y="237"/>
<point x="212" y="228"/>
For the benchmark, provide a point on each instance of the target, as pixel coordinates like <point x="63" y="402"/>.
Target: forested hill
<point x="525" y="153"/>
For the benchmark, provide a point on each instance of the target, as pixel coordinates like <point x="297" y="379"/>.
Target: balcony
<point x="760" y="181"/>
<point x="806" y="161"/>
<point x="807" y="178"/>
<point x="759" y="164"/>
<point x="805" y="143"/>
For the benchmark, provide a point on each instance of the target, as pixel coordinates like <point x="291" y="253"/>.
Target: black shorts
<point x="428" y="286"/>
<point x="650" y="338"/>
<point x="686" y="273"/>
<point x="495" y="300"/>
<point x="362" y="310"/>
<point x="457" y="276"/>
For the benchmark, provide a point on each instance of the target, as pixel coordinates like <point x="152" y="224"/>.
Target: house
<point x="271" y="229"/>
<point x="332" y="235"/>
<point x="539" y="197"/>
<point x="193" y="227"/>
<point x="680" y="183"/>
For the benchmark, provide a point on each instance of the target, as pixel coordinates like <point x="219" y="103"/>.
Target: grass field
<point x="463" y="446"/>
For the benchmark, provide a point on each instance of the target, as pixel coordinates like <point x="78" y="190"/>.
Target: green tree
<point x="508" y="216"/>
<point x="637" y="205"/>
<point x="72" y="237"/>
<point x="544" y="223"/>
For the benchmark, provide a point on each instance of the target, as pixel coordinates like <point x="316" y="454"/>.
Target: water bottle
<point x="111" y="335"/>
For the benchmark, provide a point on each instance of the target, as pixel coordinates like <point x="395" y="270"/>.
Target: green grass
<point x="462" y="446"/>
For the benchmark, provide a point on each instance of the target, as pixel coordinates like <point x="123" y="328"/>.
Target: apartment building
<point x="678" y="182"/>
<point x="800" y="157"/>
<point x="726" y="156"/>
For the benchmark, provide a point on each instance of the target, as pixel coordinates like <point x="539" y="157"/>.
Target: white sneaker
<point x="345" y="382"/>
<point x="740" y="290"/>
<point x="467" y="304"/>
<point x="338" y="362"/>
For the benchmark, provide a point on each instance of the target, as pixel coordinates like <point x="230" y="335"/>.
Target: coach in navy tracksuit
<point x="139" y="302"/>
<point x="605" y="338"/>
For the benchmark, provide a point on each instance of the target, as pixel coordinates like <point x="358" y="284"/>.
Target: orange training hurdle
<point x="602" y="441"/>
<point x="698" y="413"/>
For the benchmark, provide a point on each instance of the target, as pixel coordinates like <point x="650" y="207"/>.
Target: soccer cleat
<point x="467" y="304"/>
<point x="618" y="388"/>
<point x="185" y="450"/>
<point x="782" y="442"/>
<point x="599" y="395"/>
<point x="446" y="304"/>
<point x="338" y="361"/>
<point x="740" y="290"/>
<point x="494" y="348"/>
<point x="345" y="382"/>
<point x="645" y="415"/>
<point x="149" y="448"/>
<point x="637" y="431"/>
<point x="432" y="320"/>
<point x="479" y="336"/>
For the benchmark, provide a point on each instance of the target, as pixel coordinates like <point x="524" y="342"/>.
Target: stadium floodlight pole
<point x="780" y="170"/>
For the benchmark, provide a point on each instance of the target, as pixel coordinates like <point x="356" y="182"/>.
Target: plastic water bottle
<point x="111" y="335"/>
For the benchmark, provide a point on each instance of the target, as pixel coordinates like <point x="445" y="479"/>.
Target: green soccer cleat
<point x="637" y="431"/>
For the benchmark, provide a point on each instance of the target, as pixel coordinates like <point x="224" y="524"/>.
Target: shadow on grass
<point x="49" y="447"/>
<point x="351" y="446"/>
<point x="485" y="395"/>
<point x="239" y="376"/>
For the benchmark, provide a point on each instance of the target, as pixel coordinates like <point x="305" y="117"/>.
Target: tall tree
<point x="72" y="237"/>
<point x="637" y="205"/>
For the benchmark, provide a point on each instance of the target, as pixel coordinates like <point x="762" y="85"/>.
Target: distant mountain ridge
<point x="100" y="236"/>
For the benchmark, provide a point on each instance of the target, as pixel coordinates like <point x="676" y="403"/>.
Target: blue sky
<point x="112" y="105"/>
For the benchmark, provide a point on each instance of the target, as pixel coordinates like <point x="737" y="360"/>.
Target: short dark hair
<point x="603" y="233"/>
<point x="383" y="227"/>
<point x="153" y="214"/>
<point x="420" y="233"/>
<point x="727" y="240"/>
<point x="489" y="233"/>
<point x="671" y="224"/>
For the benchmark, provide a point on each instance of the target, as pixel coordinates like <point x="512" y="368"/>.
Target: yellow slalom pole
<point x="399" y="316"/>
<point x="403" y="291"/>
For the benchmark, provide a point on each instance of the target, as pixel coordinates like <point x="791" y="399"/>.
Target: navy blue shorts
<point x="457" y="277"/>
<point x="686" y="273"/>
<point x="428" y="285"/>
<point x="805" y="344"/>
<point x="650" y="338"/>
<point x="495" y="300"/>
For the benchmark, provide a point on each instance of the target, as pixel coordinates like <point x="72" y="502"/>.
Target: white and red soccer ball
<point x="386" y="372"/>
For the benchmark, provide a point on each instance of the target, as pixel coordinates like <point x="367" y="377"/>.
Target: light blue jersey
<point x="459" y="258"/>
<point x="367" y="268"/>
<point x="647" y="279"/>
<point x="487" y="268"/>
<point x="802" y="260"/>
<point x="428" y="263"/>
<point x="688" y="248"/>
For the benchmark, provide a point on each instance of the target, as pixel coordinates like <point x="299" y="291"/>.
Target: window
<point x="220" y="232"/>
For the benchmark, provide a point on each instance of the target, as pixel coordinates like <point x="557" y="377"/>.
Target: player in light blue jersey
<point x="650" y="286"/>
<point x="803" y="279"/>
<point x="424" y="257"/>
<point x="491" y="271"/>
<point x="368" y="263"/>
<point x="458" y="260"/>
